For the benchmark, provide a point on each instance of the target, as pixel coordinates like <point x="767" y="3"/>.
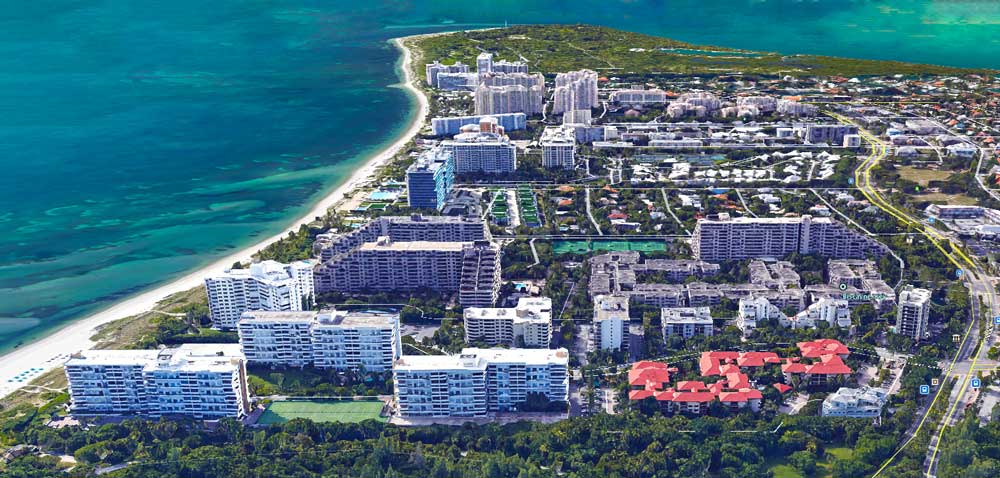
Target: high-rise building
<point x="453" y="125"/>
<point x="485" y="149"/>
<point x="484" y="63"/>
<point x="575" y="90"/>
<point x="403" y="229"/>
<point x="500" y="93"/>
<point x="202" y="381"/>
<point x="504" y="66"/>
<point x="430" y="179"/>
<point x="340" y="340"/>
<point x="266" y="285"/>
<point x="727" y="238"/>
<point x="433" y="70"/>
<point x="558" y="147"/>
<point x="686" y="322"/>
<point x="471" y="268"/>
<point x="913" y="310"/>
<point x="829" y="133"/>
<point x="639" y="96"/>
<point x="528" y="325"/>
<point x="610" y="331"/>
<point x="478" y="381"/>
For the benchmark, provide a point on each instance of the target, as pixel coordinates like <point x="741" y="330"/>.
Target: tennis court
<point x="346" y="411"/>
<point x="581" y="247"/>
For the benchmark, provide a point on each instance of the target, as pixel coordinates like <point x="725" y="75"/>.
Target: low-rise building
<point x="686" y="322"/>
<point x="864" y="402"/>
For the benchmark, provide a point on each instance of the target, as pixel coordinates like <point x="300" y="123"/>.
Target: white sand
<point x="51" y="351"/>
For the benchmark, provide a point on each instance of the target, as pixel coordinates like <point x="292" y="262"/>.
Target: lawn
<point x="941" y="198"/>
<point x="322" y="411"/>
<point x="780" y="469"/>
<point x="923" y="176"/>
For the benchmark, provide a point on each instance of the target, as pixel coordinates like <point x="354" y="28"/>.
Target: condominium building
<point x="864" y="402"/>
<point x="485" y="149"/>
<point x="500" y="93"/>
<point x="430" y="179"/>
<point x="453" y="125"/>
<point x="829" y="133"/>
<point x="686" y="322"/>
<point x="611" y="322"/>
<point x="753" y="310"/>
<point x="202" y="381"/>
<point x="575" y="90"/>
<point x="403" y="229"/>
<point x="727" y="238"/>
<point x="763" y="104"/>
<point x="504" y="66"/>
<point x="558" y="147"/>
<point x="340" y="340"/>
<point x="639" y="96"/>
<point x="388" y="266"/>
<point x="835" y="312"/>
<point x="432" y="70"/>
<point x="913" y="310"/>
<point x="528" y="325"/>
<point x="794" y="108"/>
<point x="266" y="285"/>
<point x="477" y="382"/>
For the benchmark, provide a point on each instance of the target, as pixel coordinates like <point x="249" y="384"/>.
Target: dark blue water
<point x="140" y="140"/>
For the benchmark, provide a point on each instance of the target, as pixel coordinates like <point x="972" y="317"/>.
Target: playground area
<point x="344" y="411"/>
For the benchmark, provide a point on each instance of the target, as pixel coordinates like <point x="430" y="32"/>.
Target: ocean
<point x="139" y="141"/>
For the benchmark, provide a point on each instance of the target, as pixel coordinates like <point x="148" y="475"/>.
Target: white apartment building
<point x="558" y="147"/>
<point x="611" y="319"/>
<point x="686" y="322"/>
<point x="483" y="150"/>
<point x="339" y="340"/>
<point x="835" y="312"/>
<point x="266" y="285"/>
<point x="913" y="310"/>
<point x="727" y="238"/>
<point x="528" y="325"/>
<point x="864" y="402"/>
<point x="639" y="96"/>
<point x="478" y="381"/>
<point x="754" y="309"/>
<point x="202" y="381"/>
<point x="575" y="90"/>
<point x="501" y="93"/>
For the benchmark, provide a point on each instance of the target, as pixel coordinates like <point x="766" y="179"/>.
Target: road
<point x="971" y="347"/>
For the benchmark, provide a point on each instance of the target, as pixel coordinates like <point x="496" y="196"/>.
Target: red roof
<point x="755" y="359"/>
<point x="693" y="397"/>
<point x="782" y="387"/>
<point x="639" y="394"/>
<point x="741" y="396"/>
<point x="738" y="380"/>
<point x="818" y="348"/>
<point x="793" y="367"/>
<point x="829" y="365"/>
<point x="691" y="385"/>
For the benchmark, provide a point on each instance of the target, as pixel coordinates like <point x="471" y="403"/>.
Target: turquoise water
<point x="141" y="140"/>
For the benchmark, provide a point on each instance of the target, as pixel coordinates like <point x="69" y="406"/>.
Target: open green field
<point x="322" y="411"/>
<point x="582" y="247"/>
<point x="922" y="176"/>
<point x="823" y="467"/>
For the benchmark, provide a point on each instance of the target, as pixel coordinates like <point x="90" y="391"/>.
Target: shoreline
<point x="51" y="351"/>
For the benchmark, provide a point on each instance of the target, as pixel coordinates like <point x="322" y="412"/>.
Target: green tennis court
<point x="322" y="411"/>
<point x="581" y="247"/>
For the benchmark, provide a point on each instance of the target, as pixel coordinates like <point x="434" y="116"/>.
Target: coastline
<point x="51" y="351"/>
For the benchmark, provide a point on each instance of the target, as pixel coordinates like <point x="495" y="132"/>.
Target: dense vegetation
<point x="555" y="48"/>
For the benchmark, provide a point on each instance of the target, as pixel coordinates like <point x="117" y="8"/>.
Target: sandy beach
<point x="47" y="353"/>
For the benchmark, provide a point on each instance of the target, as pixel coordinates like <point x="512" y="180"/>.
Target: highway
<point x="972" y="347"/>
